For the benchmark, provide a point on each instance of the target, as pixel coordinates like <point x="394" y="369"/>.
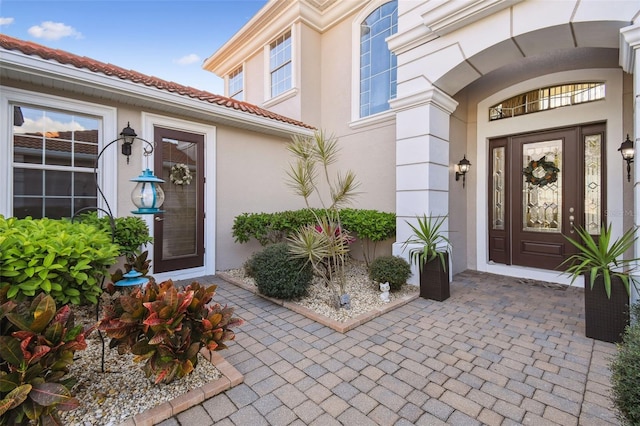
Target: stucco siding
<point x="250" y="178"/>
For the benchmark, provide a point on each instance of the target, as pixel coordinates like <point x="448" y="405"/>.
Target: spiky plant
<point x="601" y="256"/>
<point x="326" y="244"/>
<point x="429" y="238"/>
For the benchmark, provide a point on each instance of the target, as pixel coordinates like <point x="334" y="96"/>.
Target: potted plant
<point x="430" y="252"/>
<point x="606" y="277"/>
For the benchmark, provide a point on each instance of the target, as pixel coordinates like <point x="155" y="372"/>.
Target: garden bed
<point x="366" y="303"/>
<point x="123" y="395"/>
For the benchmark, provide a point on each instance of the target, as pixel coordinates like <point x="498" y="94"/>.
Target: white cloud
<point x="35" y="126"/>
<point x="53" y="31"/>
<point x="187" y="60"/>
<point x="6" y="21"/>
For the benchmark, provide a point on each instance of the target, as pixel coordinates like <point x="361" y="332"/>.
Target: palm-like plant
<point x="601" y="256"/>
<point x="428" y="234"/>
<point x="325" y="244"/>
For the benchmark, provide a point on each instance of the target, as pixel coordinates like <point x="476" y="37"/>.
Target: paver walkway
<point x="499" y="351"/>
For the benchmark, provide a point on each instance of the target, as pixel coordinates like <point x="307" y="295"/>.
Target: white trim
<point x="287" y="94"/>
<point x="355" y="61"/>
<point x="209" y="132"/>
<point x="608" y="110"/>
<point x="379" y="118"/>
<point x="108" y="132"/>
<point x="295" y="66"/>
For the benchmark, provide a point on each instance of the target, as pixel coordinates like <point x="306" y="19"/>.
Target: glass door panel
<point x="542" y="186"/>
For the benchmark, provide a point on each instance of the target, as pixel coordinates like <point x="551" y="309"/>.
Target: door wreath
<point x="540" y="172"/>
<point x="180" y="174"/>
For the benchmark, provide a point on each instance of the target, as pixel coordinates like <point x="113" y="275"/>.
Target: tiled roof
<point x="34" y="49"/>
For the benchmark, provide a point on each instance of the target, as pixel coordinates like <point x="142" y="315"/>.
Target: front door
<point x="543" y="185"/>
<point x="179" y="232"/>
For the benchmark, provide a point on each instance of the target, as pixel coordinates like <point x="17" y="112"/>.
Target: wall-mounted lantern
<point x="627" y="152"/>
<point x="463" y="167"/>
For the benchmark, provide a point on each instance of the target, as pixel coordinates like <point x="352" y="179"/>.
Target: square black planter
<point x="605" y="318"/>
<point x="434" y="279"/>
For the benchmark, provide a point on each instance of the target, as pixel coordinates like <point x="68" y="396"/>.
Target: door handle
<point x="571" y="219"/>
<point x="158" y="219"/>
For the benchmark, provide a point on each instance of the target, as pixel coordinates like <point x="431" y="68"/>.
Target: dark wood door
<point x="179" y="232"/>
<point x="542" y="186"/>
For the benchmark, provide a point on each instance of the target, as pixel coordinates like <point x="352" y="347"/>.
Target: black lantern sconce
<point x="128" y="135"/>
<point x="463" y="167"/>
<point x="627" y="151"/>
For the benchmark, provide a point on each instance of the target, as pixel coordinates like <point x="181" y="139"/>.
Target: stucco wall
<point x="460" y="146"/>
<point x="250" y="178"/>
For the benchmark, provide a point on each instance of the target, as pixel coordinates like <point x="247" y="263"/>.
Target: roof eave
<point x="132" y="93"/>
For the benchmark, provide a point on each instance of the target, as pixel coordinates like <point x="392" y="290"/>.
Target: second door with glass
<point x="541" y="186"/>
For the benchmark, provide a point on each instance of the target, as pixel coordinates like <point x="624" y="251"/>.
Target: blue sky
<point x="168" y="39"/>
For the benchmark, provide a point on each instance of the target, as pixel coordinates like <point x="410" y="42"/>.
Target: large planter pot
<point x="605" y="318"/>
<point x="434" y="279"/>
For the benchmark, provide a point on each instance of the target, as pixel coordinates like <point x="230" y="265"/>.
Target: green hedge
<point x="371" y="226"/>
<point x="269" y="228"/>
<point x="61" y="258"/>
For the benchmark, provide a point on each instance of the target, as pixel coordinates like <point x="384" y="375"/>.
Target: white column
<point x="630" y="62"/>
<point x="422" y="161"/>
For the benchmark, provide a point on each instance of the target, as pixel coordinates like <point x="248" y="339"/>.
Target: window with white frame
<point x="280" y="64"/>
<point x="235" y="85"/>
<point x="54" y="154"/>
<point x="378" y="65"/>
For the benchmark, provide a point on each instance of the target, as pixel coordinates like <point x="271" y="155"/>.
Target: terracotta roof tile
<point x="34" y="49"/>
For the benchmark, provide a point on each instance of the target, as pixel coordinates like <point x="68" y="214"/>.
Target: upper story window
<point x="54" y="154"/>
<point x="280" y="64"/>
<point x="547" y="98"/>
<point x="235" y="85"/>
<point x="378" y="66"/>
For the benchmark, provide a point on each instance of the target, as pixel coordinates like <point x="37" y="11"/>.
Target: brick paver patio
<point x="499" y="351"/>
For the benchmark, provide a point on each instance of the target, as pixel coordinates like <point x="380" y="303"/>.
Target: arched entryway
<point x="447" y="84"/>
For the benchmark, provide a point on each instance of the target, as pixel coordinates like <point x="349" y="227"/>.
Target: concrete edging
<point x="340" y="327"/>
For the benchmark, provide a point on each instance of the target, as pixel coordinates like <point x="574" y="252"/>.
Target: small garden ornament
<point x="384" y="288"/>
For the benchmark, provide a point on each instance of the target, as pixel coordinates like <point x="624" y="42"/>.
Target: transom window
<point x="235" y="85"/>
<point x="547" y="98"/>
<point x="280" y="64"/>
<point x="378" y="66"/>
<point x="54" y="155"/>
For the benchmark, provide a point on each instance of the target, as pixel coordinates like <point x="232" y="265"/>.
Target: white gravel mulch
<point x="122" y="391"/>
<point x="364" y="293"/>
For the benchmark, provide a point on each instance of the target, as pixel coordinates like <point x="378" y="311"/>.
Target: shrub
<point x="166" y="328"/>
<point x="270" y="228"/>
<point x="625" y="369"/>
<point x="392" y="269"/>
<point x="279" y="275"/>
<point x="64" y="259"/>
<point x="37" y="345"/>
<point x="371" y="226"/>
<point x="129" y="232"/>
